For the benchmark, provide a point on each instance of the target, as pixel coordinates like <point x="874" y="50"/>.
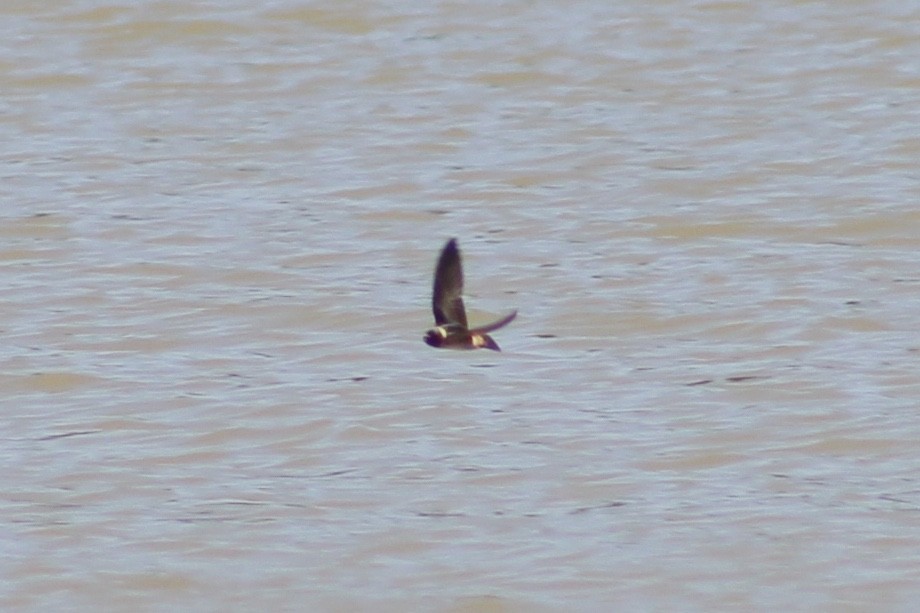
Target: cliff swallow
<point x="451" y="329"/>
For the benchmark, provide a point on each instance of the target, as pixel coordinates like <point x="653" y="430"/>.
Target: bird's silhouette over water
<point x="452" y="330"/>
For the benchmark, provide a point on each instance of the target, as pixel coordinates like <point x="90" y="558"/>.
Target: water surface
<point x="219" y="226"/>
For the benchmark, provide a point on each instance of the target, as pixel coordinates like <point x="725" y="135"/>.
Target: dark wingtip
<point x="450" y="251"/>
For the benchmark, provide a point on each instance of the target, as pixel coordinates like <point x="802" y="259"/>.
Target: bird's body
<point x="451" y="329"/>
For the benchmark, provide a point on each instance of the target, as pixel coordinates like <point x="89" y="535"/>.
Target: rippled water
<point x="218" y="231"/>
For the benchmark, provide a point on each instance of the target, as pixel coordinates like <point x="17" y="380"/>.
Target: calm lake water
<point x="218" y="228"/>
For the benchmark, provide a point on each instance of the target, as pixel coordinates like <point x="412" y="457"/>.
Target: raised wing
<point x="446" y="299"/>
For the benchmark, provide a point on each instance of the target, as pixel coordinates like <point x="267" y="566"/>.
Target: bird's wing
<point x="495" y="325"/>
<point x="446" y="299"/>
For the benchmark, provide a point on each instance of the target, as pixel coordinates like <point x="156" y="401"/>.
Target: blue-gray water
<point x="218" y="227"/>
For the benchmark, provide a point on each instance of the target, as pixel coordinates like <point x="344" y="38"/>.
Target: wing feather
<point x="495" y="325"/>
<point x="446" y="299"/>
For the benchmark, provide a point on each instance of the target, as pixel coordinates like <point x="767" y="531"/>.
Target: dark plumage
<point x="452" y="330"/>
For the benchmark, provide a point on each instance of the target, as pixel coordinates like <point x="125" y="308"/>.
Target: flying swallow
<point x="451" y="329"/>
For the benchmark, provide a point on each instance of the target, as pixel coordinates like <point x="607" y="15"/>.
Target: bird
<point x="451" y="329"/>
